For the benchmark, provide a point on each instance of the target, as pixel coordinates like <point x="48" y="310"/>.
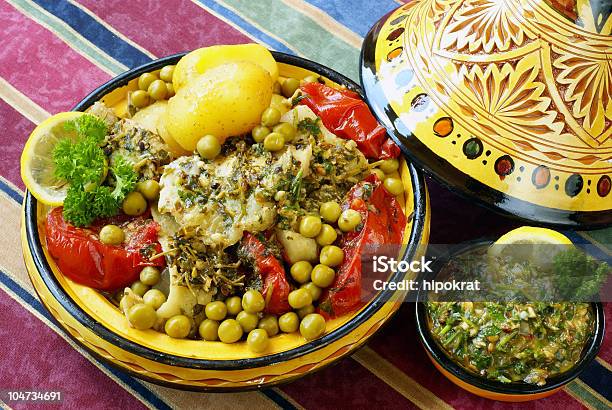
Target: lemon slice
<point x="527" y="243"/>
<point x="37" y="159"/>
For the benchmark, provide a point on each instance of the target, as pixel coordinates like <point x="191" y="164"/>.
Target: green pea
<point x="314" y="290"/>
<point x="253" y="302"/>
<point x="312" y="326"/>
<point x="289" y="86"/>
<point x="389" y="165"/>
<point x="331" y="256"/>
<point x="257" y="340"/>
<point x="166" y="73"/>
<point x="112" y="235"/>
<point x="141" y="316"/>
<point x="248" y="321"/>
<point x="289" y="322"/>
<point x="134" y="204"/>
<point x="208" y="147"/>
<point x="286" y="130"/>
<point x="209" y="329"/>
<point x="306" y="310"/>
<point x="330" y="211"/>
<point x="123" y="304"/>
<point x="269" y="323"/>
<point x="145" y="80"/>
<point x="381" y="175"/>
<point x="154" y="298"/>
<point x="260" y="132"/>
<point x="274" y="142"/>
<point x="394" y="186"/>
<point x="158" y="90"/>
<point x="234" y="305"/>
<point x="299" y="298"/>
<point x="322" y="276"/>
<point x="170" y="90"/>
<point x="140" y="98"/>
<point x="327" y="236"/>
<point x="139" y="288"/>
<point x="178" y="327"/>
<point x="310" y="226"/>
<point x="149" y="189"/>
<point x="229" y="331"/>
<point x="276" y="88"/>
<point x="149" y="275"/>
<point x="270" y="117"/>
<point x="300" y="271"/>
<point x="349" y="220"/>
<point x="216" y="310"/>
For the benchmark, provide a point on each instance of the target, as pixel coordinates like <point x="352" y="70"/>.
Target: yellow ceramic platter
<point x="97" y="324"/>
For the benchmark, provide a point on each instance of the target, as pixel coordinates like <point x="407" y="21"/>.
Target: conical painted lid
<point x="506" y="101"/>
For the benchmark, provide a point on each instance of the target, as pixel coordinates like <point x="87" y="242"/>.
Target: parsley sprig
<point x="94" y="192"/>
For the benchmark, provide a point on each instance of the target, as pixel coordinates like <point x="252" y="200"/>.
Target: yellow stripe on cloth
<point x="605" y="249"/>
<point x="229" y="23"/>
<point x="325" y="21"/>
<point x="21" y="103"/>
<point x="586" y="395"/>
<point x="112" y="29"/>
<point x="398" y="380"/>
<point x="185" y="400"/>
<point x="604" y="363"/>
<point x="258" y="26"/>
<point x="4" y="406"/>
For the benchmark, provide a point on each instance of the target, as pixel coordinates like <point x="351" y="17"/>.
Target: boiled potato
<point x="199" y="61"/>
<point x="226" y="100"/>
<point x="150" y="118"/>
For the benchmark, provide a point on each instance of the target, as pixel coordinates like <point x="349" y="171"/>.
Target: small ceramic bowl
<point x="99" y="326"/>
<point x="490" y="389"/>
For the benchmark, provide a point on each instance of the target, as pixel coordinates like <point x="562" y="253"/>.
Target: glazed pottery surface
<point x="96" y="323"/>
<point x="507" y="101"/>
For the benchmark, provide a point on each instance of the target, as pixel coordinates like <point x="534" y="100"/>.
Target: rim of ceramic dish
<point x="456" y="181"/>
<point x="589" y="352"/>
<point x="35" y="247"/>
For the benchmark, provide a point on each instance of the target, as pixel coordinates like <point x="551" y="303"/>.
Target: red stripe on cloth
<point x="345" y="385"/>
<point x="35" y="357"/>
<point x="399" y="344"/>
<point x="167" y="27"/>
<point x="16" y="129"/>
<point x="41" y="65"/>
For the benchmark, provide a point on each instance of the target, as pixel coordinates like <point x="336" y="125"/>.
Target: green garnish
<point x="296" y="187"/>
<point x="578" y="276"/>
<point x="309" y="126"/>
<point x="83" y="164"/>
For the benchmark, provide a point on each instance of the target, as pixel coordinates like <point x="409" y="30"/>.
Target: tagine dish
<point x="214" y="209"/>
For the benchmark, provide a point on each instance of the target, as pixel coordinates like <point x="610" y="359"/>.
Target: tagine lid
<point x="505" y="101"/>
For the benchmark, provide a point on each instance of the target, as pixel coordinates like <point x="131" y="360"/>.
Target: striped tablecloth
<point x="53" y="52"/>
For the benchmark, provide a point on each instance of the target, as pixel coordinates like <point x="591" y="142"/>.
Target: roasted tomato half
<point x="82" y="257"/>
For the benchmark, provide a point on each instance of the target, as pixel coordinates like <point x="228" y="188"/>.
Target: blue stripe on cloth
<point x="278" y="399"/>
<point x="356" y="15"/>
<point x="95" y="32"/>
<point x="598" y="378"/>
<point x="588" y="246"/>
<point x="10" y="191"/>
<point x="34" y="303"/>
<point x="248" y="27"/>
